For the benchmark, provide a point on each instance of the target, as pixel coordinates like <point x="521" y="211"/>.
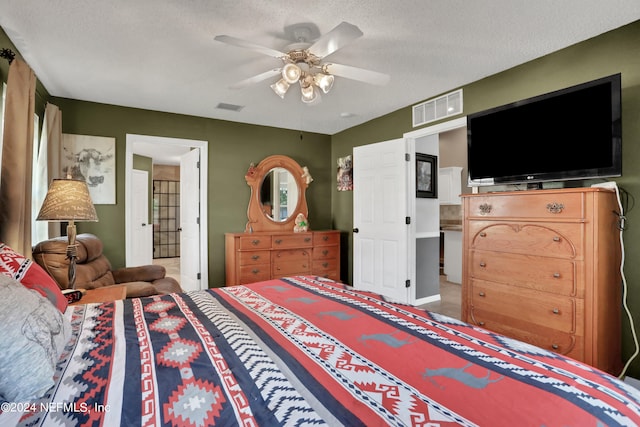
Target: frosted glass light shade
<point x="324" y="81"/>
<point x="291" y="73"/>
<point x="280" y="88"/>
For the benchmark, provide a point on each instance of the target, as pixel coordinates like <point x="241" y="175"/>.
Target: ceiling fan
<point x="303" y="62"/>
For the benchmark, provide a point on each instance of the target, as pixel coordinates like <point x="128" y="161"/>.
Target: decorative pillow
<point x="31" y="275"/>
<point x="34" y="333"/>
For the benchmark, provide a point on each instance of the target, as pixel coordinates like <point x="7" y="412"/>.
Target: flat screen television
<point x="569" y="134"/>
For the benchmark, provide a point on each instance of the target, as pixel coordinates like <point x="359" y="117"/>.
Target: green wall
<point x="617" y="51"/>
<point x="231" y="147"/>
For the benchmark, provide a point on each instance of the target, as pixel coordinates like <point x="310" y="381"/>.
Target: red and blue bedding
<point x="308" y="351"/>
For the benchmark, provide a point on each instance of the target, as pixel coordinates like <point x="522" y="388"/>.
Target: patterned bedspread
<point x="305" y="351"/>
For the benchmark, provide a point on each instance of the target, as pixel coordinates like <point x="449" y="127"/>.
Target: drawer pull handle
<point x="481" y="323"/>
<point x="555" y="346"/>
<point x="556" y="239"/>
<point x="482" y="294"/>
<point x="485" y="208"/>
<point x="255" y="242"/>
<point x="555" y="208"/>
<point x="556" y="311"/>
<point x="255" y="271"/>
<point x="255" y="257"/>
<point x="304" y="253"/>
<point x="325" y="252"/>
<point x="483" y="264"/>
<point x="325" y="238"/>
<point x="483" y="234"/>
<point x="278" y="241"/>
<point x="556" y="275"/>
<point x="307" y="239"/>
<point x="325" y="264"/>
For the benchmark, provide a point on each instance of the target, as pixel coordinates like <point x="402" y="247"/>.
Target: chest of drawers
<point x="253" y="257"/>
<point x="543" y="267"/>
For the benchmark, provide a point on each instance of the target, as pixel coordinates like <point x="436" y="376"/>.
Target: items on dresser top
<point x="252" y="257"/>
<point x="543" y="267"/>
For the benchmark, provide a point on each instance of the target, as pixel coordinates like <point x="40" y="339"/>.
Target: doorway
<point x="164" y="150"/>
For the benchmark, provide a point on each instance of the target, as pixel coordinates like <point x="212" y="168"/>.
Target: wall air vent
<point x="437" y="108"/>
<point x="230" y="107"/>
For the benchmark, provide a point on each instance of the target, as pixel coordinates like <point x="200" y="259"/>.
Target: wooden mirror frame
<point x="258" y="220"/>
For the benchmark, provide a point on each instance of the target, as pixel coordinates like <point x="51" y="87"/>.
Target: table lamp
<point x="68" y="200"/>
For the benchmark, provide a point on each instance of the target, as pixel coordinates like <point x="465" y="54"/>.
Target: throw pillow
<point x="31" y="275"/>
<point x="34" y="335"/>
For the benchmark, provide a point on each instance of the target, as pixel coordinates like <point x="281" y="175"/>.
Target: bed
<point x="308" y="351"/>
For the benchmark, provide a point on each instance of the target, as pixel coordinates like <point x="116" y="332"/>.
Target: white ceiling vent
<point x="438" y="108"/>
<point x="230" y="107"/>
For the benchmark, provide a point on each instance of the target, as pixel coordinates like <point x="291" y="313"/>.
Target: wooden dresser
<point x="252" y="257"/>
<point x="542" y="266"/>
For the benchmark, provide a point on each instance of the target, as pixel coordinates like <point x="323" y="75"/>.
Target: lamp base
<point x="72" y="254"/>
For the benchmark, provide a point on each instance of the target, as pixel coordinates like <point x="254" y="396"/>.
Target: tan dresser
<point x="542" y="266"/>
<point x="253" y="257"/>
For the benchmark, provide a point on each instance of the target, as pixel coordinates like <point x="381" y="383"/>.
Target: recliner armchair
<point x="93" y="269"/>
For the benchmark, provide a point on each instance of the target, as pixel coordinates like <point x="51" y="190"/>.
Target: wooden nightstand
<point x="108" y="293"/>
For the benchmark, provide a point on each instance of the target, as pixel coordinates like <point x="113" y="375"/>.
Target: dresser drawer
<point x="547" y="205"/>
<point x="254" y="273"/>
<point x="554" y="240"/>
<point x="254" y="241"/>
<point x="296" y="240"/>
<point x="530" y="309"/>
<point x="326" y="252"/>
<point x="565" y="343"/>
<point x="291" y="268"/>
<point x="320" y="266"/>
<point x="254" y="257"/>
<point x="325" y="238"/>
<point x="553" y="275"/>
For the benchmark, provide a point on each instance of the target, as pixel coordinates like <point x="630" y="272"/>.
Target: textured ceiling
<point x="161" y="54"/>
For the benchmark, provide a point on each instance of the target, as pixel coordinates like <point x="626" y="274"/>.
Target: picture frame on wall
<point x="426" y="176"/>
<point x="91" y="159"/>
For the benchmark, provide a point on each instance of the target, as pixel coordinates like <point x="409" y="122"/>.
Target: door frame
<point x="131" y="139"/>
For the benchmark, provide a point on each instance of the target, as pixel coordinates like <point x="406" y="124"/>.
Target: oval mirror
<point x="279" y="194"/>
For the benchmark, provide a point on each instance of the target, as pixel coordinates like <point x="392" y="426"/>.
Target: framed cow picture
<point x="91" y="159"/>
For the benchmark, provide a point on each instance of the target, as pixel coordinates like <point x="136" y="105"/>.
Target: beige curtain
<point x="46" y="168"/>
<point x="17" y="158"/>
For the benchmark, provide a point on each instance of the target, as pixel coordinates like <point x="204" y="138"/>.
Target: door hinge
<point x="198" y="220"/>
<point x="199" y="276"/>
<point x="407" y="157"/>
<point x="407" y="220"/>
<point x="407" y="283"/>
<point x="198" y="164"/>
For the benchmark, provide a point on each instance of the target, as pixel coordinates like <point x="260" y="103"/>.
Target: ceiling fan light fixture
<point x="280" y="87"/>
<point x="291" y="73"/>
<point x="324" y="81"/>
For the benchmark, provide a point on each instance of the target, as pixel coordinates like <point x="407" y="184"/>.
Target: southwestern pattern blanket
<point x="308" y="351"/>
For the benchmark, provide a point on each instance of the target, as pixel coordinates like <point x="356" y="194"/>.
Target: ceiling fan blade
<point x="354" y="73"/>
<point x="256" y="79"/>
<point x="249" y="45"/>
<point x="340" y="36"/>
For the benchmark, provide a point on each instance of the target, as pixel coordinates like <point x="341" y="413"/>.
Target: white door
<point x="381" y="234"/>
<point x="141" y="229"/>
<point x="190" y="279"/>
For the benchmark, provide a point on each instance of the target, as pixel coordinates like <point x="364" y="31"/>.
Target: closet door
<point x="380" y="208"/>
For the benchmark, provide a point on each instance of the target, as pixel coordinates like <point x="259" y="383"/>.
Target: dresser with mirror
<point x="269" y="247"/>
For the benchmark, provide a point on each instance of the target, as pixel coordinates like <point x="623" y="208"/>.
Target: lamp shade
<point x="67" y="200"/>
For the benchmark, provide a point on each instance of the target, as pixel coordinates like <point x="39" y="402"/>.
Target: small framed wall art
<point x="426" y="176"/>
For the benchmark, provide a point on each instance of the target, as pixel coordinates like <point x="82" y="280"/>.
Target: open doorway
<point x="185" y="261"/>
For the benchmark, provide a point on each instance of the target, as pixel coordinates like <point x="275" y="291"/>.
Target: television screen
<point x="573" y="133"/>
